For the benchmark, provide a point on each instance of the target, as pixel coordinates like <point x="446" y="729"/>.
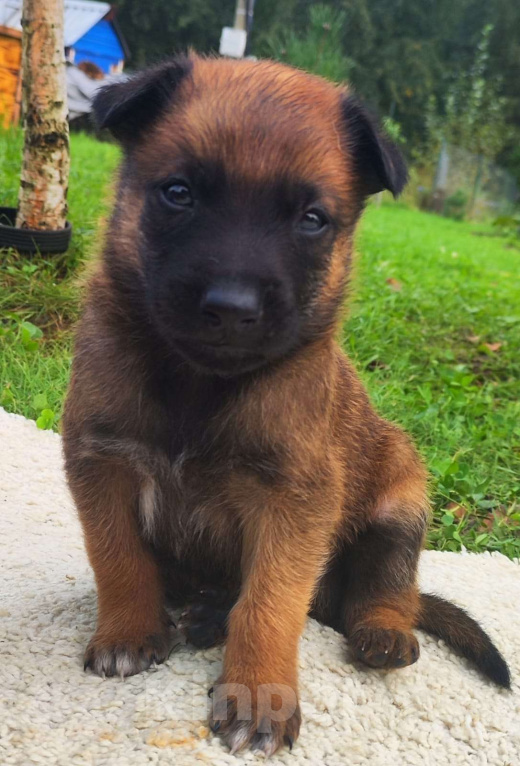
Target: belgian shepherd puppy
<point x="220" y="448"/>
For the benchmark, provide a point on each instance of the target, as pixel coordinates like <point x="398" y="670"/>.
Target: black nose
<point x="231" y="307"/>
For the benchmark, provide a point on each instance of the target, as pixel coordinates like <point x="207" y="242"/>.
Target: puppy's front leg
<point x="286" y="544"/>
<point x="132" y="628"/>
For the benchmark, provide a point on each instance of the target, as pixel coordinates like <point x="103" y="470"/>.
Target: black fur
<point x="464" y="634"/>
<point x="127" y="108"/>
<point x="235" y="231"/>
<point x="378" y="162"/>
<point x="382" y="560"/>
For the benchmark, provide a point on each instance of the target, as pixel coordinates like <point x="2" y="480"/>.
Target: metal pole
<point x="241" y="15"/>
<point x="250" y="5"/>
<point x="250" y="15"/>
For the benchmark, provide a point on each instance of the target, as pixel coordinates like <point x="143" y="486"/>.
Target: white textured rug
<point x="438" y="712"/>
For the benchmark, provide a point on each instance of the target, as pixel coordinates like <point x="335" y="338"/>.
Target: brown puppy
<point x="220" y="447"/>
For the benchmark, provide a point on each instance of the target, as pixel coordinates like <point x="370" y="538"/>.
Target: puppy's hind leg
<point x="381" y="604"/>
<point x="204" y="622"/>
<point x="369" y="592"/>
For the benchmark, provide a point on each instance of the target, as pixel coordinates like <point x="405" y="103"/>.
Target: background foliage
<point x="402" y="56"/>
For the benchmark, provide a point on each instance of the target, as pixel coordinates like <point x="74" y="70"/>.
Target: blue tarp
<point x="100" y="45"/>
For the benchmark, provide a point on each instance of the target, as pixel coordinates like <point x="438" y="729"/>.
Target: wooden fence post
<point x="42" y="200"/>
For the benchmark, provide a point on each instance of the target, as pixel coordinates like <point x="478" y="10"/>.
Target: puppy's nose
<point x="231" y="307"/>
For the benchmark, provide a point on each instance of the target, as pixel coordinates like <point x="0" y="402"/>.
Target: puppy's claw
<point x="384" y="648"/>
<point x="125" y="658"/>
<point x="263" y="735"/>
<point x="238" y="738"/>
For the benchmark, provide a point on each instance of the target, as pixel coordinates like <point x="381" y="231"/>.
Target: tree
<point x="159" y="28"/>
<point x="402" y="52"/>
<point x="473" y="114"/>
<point x="42" y="201"/>
<point x="318" y="49"/>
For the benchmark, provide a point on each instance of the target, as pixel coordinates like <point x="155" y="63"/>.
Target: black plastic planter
<point x="31" y="241"/>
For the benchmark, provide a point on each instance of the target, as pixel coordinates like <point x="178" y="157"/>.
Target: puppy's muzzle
<point x="232" y="313"/>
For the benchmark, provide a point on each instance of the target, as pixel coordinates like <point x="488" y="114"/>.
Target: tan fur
<point x="341" y="467"/>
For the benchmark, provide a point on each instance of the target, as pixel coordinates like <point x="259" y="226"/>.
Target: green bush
<point x="508" y="225"/>
<point x="319" y="49"/>
<point x="455" y="205"/>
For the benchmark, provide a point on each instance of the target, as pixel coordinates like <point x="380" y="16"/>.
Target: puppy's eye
<point x="177" y="194"/>
<point x="312" y="221"/>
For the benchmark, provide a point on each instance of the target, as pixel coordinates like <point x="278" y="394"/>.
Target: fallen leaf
<point x="495" y="516"/>
<point x="457" y="510"/>
<point x="488" y="522"/>
<point x="492" y="346"/>
<point x="394" y="284"/>
<point x="474" y="338"/>
<point x="500" y="513"/>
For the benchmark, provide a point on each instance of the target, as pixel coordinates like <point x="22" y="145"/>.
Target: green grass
<point x="432" y="298"/>
<point x="43" y="294"/>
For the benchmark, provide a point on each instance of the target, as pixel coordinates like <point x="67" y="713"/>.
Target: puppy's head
<point x="240" y="189"/>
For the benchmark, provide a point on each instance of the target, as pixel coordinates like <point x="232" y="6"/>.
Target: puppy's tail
<point x="460" y="631"/>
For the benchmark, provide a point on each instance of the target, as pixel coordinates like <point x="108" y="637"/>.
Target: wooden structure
<point x="91" y="34"/>
<point x="10" y="75"/>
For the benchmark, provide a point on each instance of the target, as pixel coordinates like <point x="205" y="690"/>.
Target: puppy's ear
<point x="127" y="108"/>
<point x="377" y="161"/>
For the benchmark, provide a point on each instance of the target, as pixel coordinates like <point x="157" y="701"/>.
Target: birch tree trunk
<point x="42" y="200"/>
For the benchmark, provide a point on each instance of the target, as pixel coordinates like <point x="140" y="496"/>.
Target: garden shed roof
<point x="80" y="16"/>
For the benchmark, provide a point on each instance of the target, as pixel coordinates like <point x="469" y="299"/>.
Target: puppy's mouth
<point x="220" y="358"/>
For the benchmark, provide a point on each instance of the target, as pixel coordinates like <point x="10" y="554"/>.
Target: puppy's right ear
<point x="127" y="108"/>
<point x="377" y="161"/>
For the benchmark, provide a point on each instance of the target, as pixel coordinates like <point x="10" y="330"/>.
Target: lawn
<point x="433" y="327"/>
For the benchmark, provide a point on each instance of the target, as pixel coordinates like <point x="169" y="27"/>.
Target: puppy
<point x="219" y="446"/>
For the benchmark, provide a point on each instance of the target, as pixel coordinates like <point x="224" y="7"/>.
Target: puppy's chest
<point x="188" y="491"/>
<point x="182" y="494"/>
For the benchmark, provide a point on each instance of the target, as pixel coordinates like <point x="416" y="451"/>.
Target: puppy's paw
<point x="384" y="648"/>
<point x="204" y="625"/>
<point x="265" y="720"/>
<point x="126" y="657"/>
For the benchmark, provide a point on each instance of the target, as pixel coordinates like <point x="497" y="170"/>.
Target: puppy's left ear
<point x="129" y="107"/>
<point x="378" y="163"/>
